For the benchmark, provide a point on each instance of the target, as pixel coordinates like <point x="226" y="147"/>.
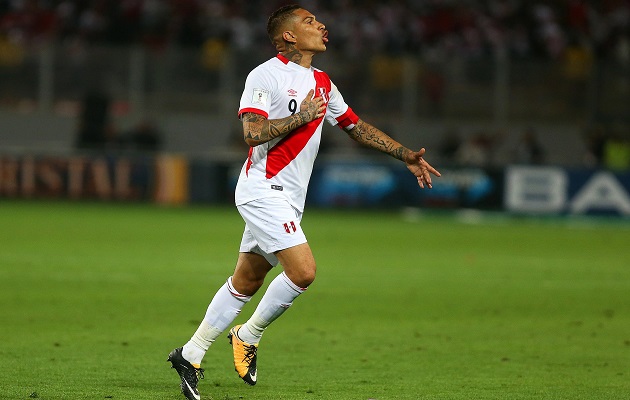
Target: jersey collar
<point x="282" y="58"/>
<point x="291" y="64"/>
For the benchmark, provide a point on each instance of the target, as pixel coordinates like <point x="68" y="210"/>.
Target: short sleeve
<point x="258" y="92"/>
<point x="338" y="112"/>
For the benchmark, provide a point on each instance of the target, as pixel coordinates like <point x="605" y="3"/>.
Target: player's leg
<point x="299" y="265"/>
<point x="226" y="304"/>
<point x="299" y="268"/>
<point x="278" y="231"/>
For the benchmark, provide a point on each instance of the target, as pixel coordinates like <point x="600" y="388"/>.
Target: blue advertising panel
<point x="554" y="190"/>
<point x="367" y="184"/>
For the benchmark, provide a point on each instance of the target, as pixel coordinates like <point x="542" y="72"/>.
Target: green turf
<point x="94" y="296"/>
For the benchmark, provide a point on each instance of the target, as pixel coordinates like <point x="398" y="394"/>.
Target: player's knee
<point x="247" y="285"/>
<point x="253" y="286"/>
<point x="306" y="276"/>
<point x="307" y="280"/>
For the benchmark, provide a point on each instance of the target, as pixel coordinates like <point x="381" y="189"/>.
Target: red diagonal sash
<point x="287" y="149"/>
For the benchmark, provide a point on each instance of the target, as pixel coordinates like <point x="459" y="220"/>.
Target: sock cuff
<point x="292" y="285"/>
<point x="242" y="297"/>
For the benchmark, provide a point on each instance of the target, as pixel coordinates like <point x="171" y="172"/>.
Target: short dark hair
<point x="278" y="18"/>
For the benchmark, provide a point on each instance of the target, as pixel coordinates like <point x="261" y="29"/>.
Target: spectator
<point x="596" y="138"/>
<point x="529" y="28"/>
<point x="434" y="86"/>
<point x="528" y="150"/>
<point x="95" y="128"/>
<point x="577" y="65"/>
<point x="145" y="136"/>
<point x="449" y="145"/>
<point x="476" y="151"/>
<point x="617" y="153"/>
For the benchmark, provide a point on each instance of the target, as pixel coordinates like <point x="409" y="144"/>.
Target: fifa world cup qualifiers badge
<point x="260" y="97"/>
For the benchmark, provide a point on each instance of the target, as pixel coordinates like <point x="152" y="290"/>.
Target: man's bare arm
<point x="258" y="129"/>
<point x="373" y="137"/>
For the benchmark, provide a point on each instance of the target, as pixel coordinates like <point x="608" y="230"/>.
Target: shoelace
<point x="250" y="353"/>
<point x="195" y="375"/>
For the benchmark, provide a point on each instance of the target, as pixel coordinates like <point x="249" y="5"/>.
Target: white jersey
<point x="282" y="167"/>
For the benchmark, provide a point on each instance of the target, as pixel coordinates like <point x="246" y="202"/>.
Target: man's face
<point x="308" y="33"/>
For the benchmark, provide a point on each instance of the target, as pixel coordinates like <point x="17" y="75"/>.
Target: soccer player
<point x="283" y="107"/>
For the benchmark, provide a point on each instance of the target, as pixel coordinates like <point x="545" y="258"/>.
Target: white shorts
<point x="271" y="224"/>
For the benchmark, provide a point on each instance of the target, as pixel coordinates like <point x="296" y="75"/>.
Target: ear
<point x="288" y="36"/>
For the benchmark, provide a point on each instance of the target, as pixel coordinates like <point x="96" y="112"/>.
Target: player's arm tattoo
<point x="258" y="129"/>
<point x="373" y="137"/>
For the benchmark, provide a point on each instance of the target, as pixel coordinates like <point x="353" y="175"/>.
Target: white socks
<point x="227" y="304"/>
<point x="277" y="299"/>
<point x="224" y="307"/>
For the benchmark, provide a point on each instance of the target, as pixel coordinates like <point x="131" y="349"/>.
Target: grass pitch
<point x="94" y="296"/>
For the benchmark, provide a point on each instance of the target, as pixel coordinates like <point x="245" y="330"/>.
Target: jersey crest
<point x="323" y="94"/>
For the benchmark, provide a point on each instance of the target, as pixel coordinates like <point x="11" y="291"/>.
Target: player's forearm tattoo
<point x="258" y="129"/>
<point x="368" y="135"/>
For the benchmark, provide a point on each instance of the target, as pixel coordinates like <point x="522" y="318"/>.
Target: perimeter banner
<point x="363" y="184"/>
<point x="555" y="190"/>
<point x="163" y="179"/>
<point x="174" y="179"/>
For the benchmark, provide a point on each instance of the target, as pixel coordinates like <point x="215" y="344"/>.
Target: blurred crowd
<point x="569" y="33"/>
<point x="527" y="29"/>
<point x="606" y="146"/>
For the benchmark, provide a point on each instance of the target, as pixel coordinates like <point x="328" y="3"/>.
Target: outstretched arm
<point x="258" y="129"/>
<point x="373" y="137"/>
